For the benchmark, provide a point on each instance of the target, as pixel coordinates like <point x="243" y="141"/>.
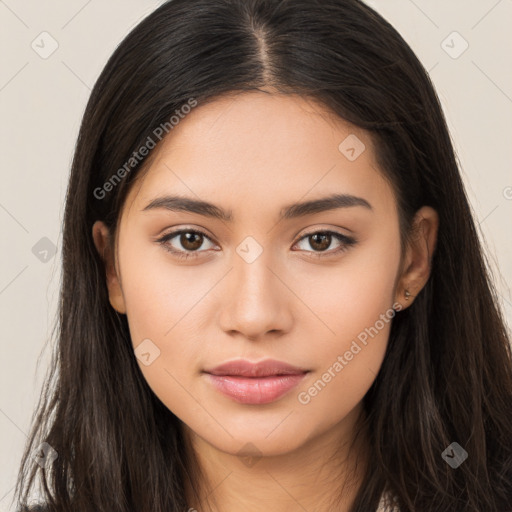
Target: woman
<point x="274" y="296"/>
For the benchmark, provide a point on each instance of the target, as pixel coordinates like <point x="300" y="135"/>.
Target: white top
<point x="387" y="504"/>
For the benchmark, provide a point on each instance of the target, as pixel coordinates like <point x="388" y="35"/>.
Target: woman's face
<point x="260" y="285"/>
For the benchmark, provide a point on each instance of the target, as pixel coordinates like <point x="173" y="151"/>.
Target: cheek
<point x="351" y="295"/>
<point x="355" y="304"/>
<point x="159" y="295"/>
<point x="165" y="305"/>
<point x="348" y="361"/>
<point x="348" y="371"/>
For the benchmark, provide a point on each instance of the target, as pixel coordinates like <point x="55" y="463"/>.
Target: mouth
<point x="255" y="383"/>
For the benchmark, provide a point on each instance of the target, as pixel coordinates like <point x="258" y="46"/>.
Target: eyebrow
<point x="295" y="210"/>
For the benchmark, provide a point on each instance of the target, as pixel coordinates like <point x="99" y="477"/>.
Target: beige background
<point x="42" y="100"/>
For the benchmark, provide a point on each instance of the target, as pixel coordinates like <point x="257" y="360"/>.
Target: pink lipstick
<point x="255" y="383"/>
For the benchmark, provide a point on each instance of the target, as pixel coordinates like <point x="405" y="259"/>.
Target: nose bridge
<point x="256" y="301"/>
<point x="253" y="278"/>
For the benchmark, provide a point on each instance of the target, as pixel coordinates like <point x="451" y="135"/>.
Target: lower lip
<point x="255" y="390"/>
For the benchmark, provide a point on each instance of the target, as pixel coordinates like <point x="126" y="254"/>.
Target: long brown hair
<point x="447" y="373"/>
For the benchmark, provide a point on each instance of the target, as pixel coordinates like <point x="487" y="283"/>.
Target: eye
<point x="190" y="240"/>
<point x="321" y="241"/>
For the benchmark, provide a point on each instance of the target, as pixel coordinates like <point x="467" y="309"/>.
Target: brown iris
<point x="191" y="241"/>
<point x="321" y="241"/>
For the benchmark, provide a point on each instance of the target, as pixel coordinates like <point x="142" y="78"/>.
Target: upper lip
<point x="265" y="368"/>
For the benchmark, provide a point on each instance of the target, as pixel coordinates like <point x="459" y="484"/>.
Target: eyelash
<point x="347" y="242"/>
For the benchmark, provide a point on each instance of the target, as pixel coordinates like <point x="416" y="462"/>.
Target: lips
<point x="266" y="368"/>
<point x="255" y="383"/>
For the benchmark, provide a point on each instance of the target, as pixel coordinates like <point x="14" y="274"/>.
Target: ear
<point x="101" y="237"/>
<point x="418" y="258"/>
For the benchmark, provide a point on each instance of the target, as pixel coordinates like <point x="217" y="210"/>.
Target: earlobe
<point x="419" y="255"/>
<point x="101" y="237"/>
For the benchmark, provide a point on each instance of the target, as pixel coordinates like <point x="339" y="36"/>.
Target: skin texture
<point x="254" y="153"/>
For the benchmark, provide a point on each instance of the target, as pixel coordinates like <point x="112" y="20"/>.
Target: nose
<point x="256" y="301"/>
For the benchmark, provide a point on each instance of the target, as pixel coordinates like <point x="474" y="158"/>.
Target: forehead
<point x="255" y="149"/>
